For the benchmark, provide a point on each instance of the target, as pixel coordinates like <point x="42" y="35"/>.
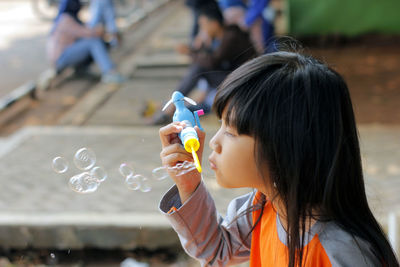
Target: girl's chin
<point x="221" y="182"/>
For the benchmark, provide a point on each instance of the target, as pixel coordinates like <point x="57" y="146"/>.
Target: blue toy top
<point x="182" y="113"/>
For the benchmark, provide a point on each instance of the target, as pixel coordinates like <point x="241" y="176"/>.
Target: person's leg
<point x="73" y="56"/>
<point x="96" y="13"/>
<point x="215" y="78"/>
<point x="102" y="11"/>
<point x="100" y="54"/>
<point x="81" y="49"/>
<point x="195" y="73"/>
<point x="109" y="16"/>
<point x="190" y="79"/>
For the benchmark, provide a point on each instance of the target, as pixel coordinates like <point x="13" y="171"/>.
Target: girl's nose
<point x="214" y="145"/>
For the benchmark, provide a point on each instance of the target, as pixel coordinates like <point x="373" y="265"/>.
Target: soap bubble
<point x="133" y="181"/>
<point x="145" y="185"/>
<point x="60" y="165"/>
<point x="84" y="159"/>
<point x="179" y="169"/>
<point x="126" y="170"/>
<point x="160" y="173"/>
<point x="99" y="173"/>
<point x="188" y="164"/>
<point x="183" y="168"/>
<point x="179" y="165"/>
<point x="83" y="183"/>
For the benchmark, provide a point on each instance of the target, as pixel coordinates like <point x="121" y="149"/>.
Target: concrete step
<point x="126" y="105"/>
<point x="160" y="73"/>
<point x="163" y="61"/>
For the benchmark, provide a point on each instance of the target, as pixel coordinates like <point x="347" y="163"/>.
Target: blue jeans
<point x="84" y="49"/>
<point x="103" y="12"/>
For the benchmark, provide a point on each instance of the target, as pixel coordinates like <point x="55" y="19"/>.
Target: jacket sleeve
<point x="204" y="234"/>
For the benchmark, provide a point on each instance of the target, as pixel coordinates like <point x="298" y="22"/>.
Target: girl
<point x="288" y="131"/>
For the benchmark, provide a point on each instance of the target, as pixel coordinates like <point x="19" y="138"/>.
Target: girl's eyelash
<point x="229" y="134"/>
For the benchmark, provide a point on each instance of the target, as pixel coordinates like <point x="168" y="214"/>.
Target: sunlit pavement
<point x="23" y="38"/>
<point x="22" y="44"/>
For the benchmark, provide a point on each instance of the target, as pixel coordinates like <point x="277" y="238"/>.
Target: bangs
<point x="247" y="92"/>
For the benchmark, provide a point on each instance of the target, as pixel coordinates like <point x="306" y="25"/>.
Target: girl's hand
<point x="173" y="152"/>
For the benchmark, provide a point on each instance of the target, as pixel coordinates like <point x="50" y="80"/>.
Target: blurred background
<point x="96" y="74"/>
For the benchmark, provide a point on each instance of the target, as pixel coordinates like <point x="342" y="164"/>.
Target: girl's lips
<point x="212" y="164"/>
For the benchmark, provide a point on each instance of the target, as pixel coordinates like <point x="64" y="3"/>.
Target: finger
<point x="173" y="159"/>
<point x="166" y="131"/>
<point x="175" y="148"/>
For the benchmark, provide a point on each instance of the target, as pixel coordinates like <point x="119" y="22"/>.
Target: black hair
<point x="212" y="12"/>
<point x="300" y="114"/>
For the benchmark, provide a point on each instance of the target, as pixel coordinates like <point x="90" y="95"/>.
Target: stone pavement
<point x="37" y="209"/>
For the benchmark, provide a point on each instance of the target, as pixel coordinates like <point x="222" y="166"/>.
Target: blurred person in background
<point x="255" y="16"/>
<point x="195" y="6"/>
<point x="234" y="12"/>
<point x="259" y="20"/>
<point x="72" y="44"/>
<point x="224" y="49"/>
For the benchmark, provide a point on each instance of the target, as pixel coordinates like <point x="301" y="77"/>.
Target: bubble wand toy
<point x="188" y="135"/>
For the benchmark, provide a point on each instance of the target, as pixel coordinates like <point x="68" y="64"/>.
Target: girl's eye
<point x="229" y="134"/>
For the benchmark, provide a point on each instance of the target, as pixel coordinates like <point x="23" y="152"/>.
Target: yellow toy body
<point x="191" y="146"/>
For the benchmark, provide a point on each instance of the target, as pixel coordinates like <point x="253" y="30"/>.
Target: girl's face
<point x="233" y="159"/>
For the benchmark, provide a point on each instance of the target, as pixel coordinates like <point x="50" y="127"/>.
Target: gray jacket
<point x="217" y="241"/>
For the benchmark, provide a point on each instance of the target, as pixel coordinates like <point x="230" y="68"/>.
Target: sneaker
<point x="114" y="40"/>
<point x="113" y="78"/>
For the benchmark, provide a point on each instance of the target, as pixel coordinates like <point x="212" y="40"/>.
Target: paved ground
<point x="37" y="209"/>
<point x="22" y="43"/>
